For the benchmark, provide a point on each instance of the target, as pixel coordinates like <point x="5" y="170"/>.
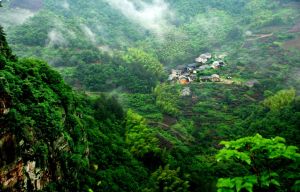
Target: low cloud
<point x="55" y="37"/>
<point x="154" y="16"/>
<point x="15" y="16"/>
<point x="106" y="49"/>
<point x="294" y="79"/>
<point x="65" y="4"/>
<point x="214" y="25"/>
<point x="88" y="33"/>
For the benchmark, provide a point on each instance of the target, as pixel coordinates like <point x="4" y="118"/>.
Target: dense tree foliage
<point x="271" y="164"/>
<point x="83" y="35"/>
<point x="134" y="71"/>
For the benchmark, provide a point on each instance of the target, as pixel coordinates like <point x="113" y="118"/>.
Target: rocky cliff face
<point x="29" y="147"/>
<point x="19" y="176"/>
<point x="18" y="172"/>
<point x="11" y="176"/>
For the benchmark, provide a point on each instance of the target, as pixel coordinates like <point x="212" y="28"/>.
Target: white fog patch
<point x="210" y="25"/>
<point x="65" y="4"/>
<point x="71" y="34"/>
<point x="106" y="49"/>
<point x="60" y="28"/>
<point x="55" y="37"/>
<point x="15" y="16"/>
<point x="101" y="31"/>
<point x="294" y="78"/>
<point x="88" y="33"/>
<point x="154" y="16"/>
<point x="214" y="25"/>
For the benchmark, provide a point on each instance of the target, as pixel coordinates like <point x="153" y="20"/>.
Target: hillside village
<point x="185" y="74"/>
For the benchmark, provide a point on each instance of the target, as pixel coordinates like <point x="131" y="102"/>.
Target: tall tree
<point x="4" y="48"/>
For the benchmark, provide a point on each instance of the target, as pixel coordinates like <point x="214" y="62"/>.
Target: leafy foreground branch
<point x="268" y="165"/>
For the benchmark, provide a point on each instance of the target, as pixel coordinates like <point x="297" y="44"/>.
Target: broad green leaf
<point x="238" y="183"/>
<point x="248" y="187"/>
<point x="225" y="183"/>
<point x="275" y="182"/>
<point x="244" y="157"/>
<point x="264" y="179"/>
<point x="296" y="186"/>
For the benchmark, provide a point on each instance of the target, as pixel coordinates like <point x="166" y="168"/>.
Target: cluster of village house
<point x="185" y="74"/>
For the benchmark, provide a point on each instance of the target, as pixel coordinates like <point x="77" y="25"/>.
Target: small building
<point x="181" y="67"/>
<point x="221" y="63"/>
<point x="203" y="67"/>
<point x="193" y="77"/>
<point x="187" y="73"/>
<point x="189" y="69"/>
<point x="206" y="55"/>
<point x="212" y="78"/>
<point x="171" y="77"/>
<point x="192" y="65"/>
<point x="184" y="80"/>
<point x="215" y="78"/>
<point x="217" y="64"/>
<point x="205" y="78"/>
<point x="176" y="72"/>
<point x="201" y="60"/>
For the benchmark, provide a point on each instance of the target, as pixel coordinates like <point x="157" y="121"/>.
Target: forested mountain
<point x="127" y="104"/>
<point x="78" y="37"/>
